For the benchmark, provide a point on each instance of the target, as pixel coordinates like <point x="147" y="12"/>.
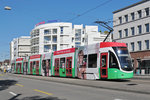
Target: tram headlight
<point x="119" y="51"/>
<point x="125" y="66"/>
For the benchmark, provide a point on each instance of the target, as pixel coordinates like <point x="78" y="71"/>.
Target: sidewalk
<point x="121" y="85"/>
<point x="142" y="77"/>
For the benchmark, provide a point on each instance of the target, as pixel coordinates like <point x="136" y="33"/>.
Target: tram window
<point x="69" y="63"/>
<point x="104" y="61"/>
<point x="92" y="61"/>
<point x="113" y="61"/>
<point x="44" y="64"/>
<point x="62" y="62"/>
<point x="37" y="63"/>
<point x="34" y="64"/>
<point x="49" y="62"/>
<point x="56" y="63"/>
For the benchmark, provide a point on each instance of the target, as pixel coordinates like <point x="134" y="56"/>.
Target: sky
<point x="25" y="14"/>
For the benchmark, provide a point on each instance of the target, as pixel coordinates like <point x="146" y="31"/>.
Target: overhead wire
<point x="102" y="4"/>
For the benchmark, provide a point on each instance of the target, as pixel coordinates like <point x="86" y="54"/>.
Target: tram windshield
<point x="124" y="58"/>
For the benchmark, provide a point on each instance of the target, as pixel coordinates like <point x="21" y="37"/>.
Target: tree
<point x="106" y="32"/>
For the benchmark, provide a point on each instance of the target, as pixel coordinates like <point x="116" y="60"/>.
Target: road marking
<point x="42" y="92"/>
<point x="13" y="93"/>
<point x="20" y="85"/>
<point x="119" y="99"/>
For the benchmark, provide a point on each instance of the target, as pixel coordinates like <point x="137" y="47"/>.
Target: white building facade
<point x="132" y="26"/>
<point x="62" y="35"/>
<point x="50" y="37"/>
<point x="20" y="47"/>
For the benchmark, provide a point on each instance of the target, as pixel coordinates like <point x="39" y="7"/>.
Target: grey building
<point x="132" y="26"/>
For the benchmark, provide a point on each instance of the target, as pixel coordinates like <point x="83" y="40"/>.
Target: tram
<point x="46" y="64"/>
<point x="19" y="66"/>
<point x="34" y="65"/>
<point x="104" y="60"/>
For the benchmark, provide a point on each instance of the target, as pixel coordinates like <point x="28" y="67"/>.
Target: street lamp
<point x="7" y="8"/>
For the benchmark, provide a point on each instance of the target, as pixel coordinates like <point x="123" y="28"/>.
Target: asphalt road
<point x="18" y="88"/>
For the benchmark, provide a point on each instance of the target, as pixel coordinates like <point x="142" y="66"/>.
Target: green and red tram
<point x="19" y="66"/>
<point x="25" y="65"/>
<point x="34" y="66"/>
<point x="64" y="63"/>
<point x="105" y="60"/>
<point x="46" y="64"/>
<point x="115" y="61"/>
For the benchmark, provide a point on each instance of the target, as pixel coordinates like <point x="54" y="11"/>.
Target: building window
<point x="120" y="20"/>
<point x="61" y="30"/>
<point x="126" y="18"/>
<point x="140" y="45"/>
<point x="47" y="39"/>
<point x="120" y="34"/>
<point x="132" y="30"/>
<point x="147" y="27"/>
<point x="126" y="32"/>
<point x="82" y="32"/>
<point x="140" y="13"/>
<point x="47" y="48"/>
<point x="132" y="16"/>
<point x="147" y="11"/>
<point x="132" y="46"/>
<point x="78" y="35"/>
<point x="77" y="44"/>
<point x="54" y="39"/>
<point x="47" y="32"/>
<point x="72" y="39"/>
<point x="147" y="44"/>
<point x="54" y="31"/>
<point x="54" y="47"/>
<point x="140" y="29"/>
<point x="83" y="39"/>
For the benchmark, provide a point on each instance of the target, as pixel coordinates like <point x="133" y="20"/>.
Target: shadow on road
<point x="5" y="84"/>
<point x="115" y="80"/>
<point x="37" y="98"/>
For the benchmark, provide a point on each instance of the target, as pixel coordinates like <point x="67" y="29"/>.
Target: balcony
<point x="47" y="42"/>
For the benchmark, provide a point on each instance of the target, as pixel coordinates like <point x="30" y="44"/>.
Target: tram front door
<point x="104" y="65"/>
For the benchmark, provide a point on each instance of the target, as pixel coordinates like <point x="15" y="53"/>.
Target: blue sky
<point x="26" y="13"/>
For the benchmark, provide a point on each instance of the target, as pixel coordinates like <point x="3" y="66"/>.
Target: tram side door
<point x="17" y="65"/>
<point x="56" y="69"/>
<point x="69" y="66"/>
<point x="37" y="67"/>
<point x="20" y="68"/>
<point x="104" y="65"/>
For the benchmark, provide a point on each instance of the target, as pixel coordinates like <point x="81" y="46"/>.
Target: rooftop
<point x="143" y="1"/>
